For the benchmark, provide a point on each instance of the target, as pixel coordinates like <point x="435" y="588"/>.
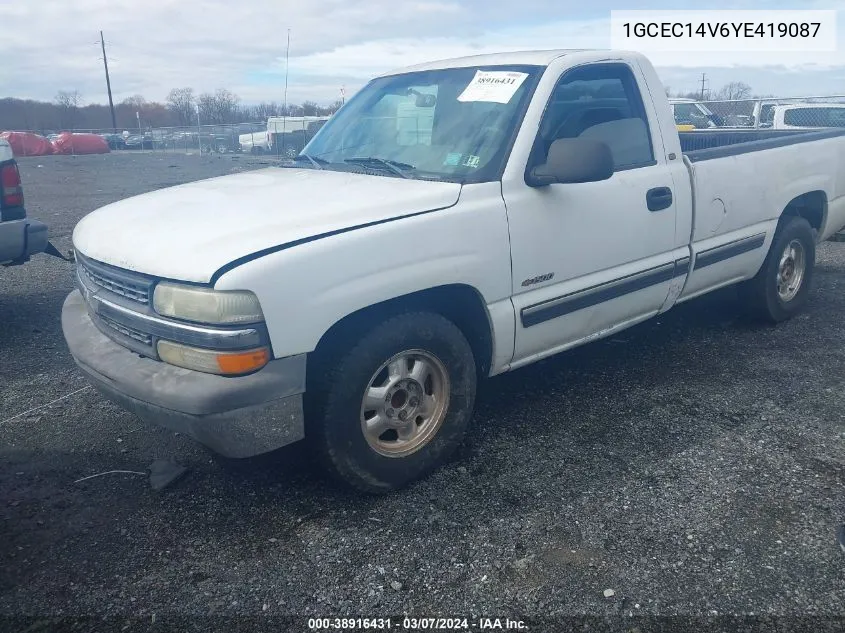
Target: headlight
<point x="211" y="361"/>
<point x="205" y="305"/>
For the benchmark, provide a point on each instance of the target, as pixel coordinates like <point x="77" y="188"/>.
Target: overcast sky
<point x="155" y="45"/>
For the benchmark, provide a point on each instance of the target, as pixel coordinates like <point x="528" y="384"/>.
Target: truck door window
<point x="767" y="115"/>
<point x="690" y="114"/>
<point x="601" y="102"/>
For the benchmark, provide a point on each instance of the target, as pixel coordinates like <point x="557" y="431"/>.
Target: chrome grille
<point x="135" y="335"/>
<point x="123" y="283"/>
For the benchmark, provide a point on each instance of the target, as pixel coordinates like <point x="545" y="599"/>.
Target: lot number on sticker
<point x="497" y="86"/>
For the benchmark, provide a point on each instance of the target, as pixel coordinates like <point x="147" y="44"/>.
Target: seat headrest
<point x="628" y="140"/>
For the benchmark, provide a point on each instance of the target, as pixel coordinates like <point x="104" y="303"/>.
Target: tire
<point x="437" y="408"/>
<point x="770" y="295"/>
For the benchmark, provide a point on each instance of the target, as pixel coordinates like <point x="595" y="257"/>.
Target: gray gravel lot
<point x="694" y="465"/>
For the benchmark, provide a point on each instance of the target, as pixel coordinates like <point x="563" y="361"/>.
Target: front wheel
<point x="782" y="285"/>
<point x="396" y="404"/>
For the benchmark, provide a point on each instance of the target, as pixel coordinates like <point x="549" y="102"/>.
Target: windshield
<point x="454" y="124"/>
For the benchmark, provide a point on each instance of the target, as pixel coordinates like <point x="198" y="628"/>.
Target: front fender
<point x="306" y="289"/>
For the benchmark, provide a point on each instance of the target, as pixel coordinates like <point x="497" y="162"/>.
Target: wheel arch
<point x="460" y="303"/>
<point x="812" y="206"/>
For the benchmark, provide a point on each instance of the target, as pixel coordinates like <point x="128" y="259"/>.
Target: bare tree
<point x="68" y="102"/>
<point x="734" y="90"/>
<point x="135" y="101"/>
<point x="329" y="109"/>
<point x="264" y="110"/>
<point x="180" y="102"/>
<point x="220" y="107"/>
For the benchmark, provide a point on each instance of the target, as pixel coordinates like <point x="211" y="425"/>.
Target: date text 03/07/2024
<point x="416" y="624"/>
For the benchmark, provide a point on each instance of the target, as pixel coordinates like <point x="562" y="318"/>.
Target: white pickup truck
<point x="354" y="297"/>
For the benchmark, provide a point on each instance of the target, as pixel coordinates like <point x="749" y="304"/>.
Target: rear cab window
<point x="815" y="117"/>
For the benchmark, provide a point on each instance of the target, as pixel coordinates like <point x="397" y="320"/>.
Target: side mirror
<point x="573" y="160"/>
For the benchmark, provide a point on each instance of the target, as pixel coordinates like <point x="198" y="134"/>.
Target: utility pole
<point x="287" y="56"/>
<point x="703" y="82"/>
<point x="108" y="83"/>
<point x="283" y="136"/>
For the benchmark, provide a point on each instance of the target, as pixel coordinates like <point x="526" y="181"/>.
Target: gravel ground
<point x="693" y="465"/>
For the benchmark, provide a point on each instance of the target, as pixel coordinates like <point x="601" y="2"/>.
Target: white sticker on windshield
<point x="496" y="86"/>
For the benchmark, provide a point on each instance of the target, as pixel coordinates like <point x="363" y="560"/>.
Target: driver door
<point x="588" y="258"/>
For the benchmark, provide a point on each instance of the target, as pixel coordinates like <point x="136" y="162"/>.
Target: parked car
<point x="139" y="141"/>
<point x="20" y="237"/>
<point x="356" y="298"/>
<point x="255" y="142"/>
<point x="688" y="112"/>
<point x="219" y="143"/>
<point x="115" y="141"/>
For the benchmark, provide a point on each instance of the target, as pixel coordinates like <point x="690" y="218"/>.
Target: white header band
<point x="724" y="31"/>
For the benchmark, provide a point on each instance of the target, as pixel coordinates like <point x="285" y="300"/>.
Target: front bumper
<point x="234" y="416"/>
<point x="19" y="239"/>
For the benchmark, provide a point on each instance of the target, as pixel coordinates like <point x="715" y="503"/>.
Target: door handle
<point x="658" y="198"/>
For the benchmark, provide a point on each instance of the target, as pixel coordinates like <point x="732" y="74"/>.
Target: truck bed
<point x="709" y="144"/>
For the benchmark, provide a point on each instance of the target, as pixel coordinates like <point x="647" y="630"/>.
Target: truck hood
<point x="189" y="231"/>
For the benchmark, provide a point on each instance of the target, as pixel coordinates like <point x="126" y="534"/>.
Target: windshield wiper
<point x="317" y="163"/>
<point x="394" y="166"/>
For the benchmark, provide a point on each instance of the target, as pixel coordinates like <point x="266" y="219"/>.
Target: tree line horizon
<point x="68" y="111"/>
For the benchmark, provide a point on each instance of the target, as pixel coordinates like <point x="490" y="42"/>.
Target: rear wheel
<point x="394" y="405"/>
<point x="781" y="287"/>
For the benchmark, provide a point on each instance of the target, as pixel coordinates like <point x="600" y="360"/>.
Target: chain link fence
<point x="796" y="113"/>
<point x="284" y="138"/>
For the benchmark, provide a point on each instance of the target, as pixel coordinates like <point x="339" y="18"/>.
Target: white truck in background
<point x="285" y="136"/>
<point x="254" y="142"/>
<point x="807" y="116"/>
<point x="355" y="296"/>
